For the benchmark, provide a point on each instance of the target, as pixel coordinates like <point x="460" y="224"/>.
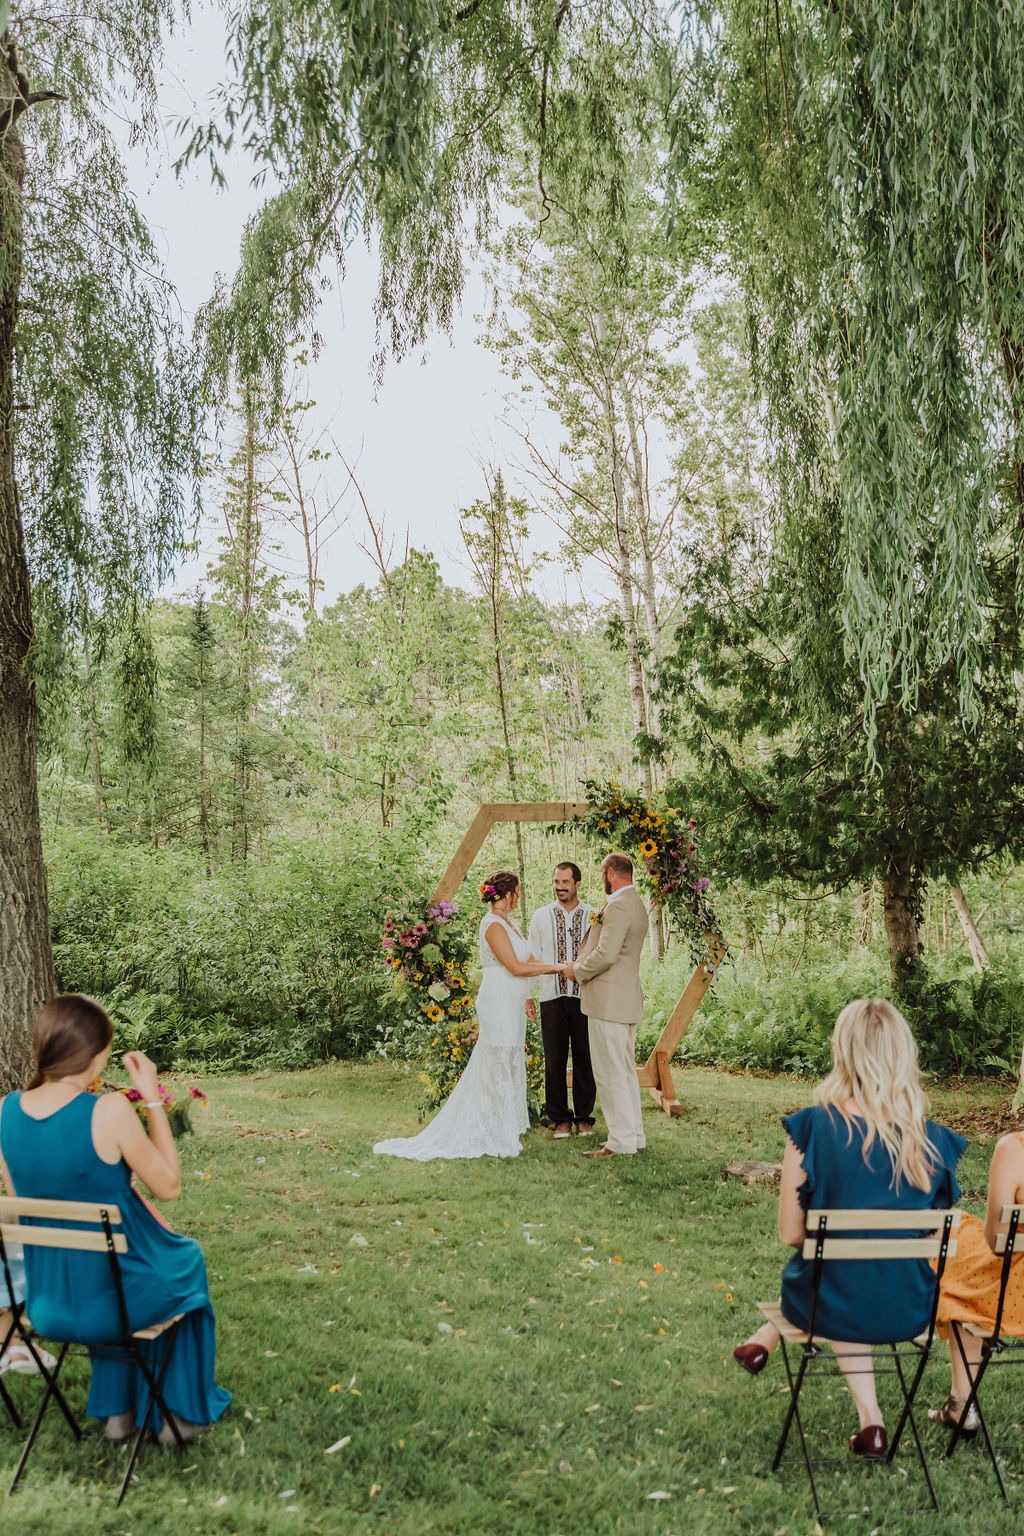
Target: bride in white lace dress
<point x="486" y="1113"/>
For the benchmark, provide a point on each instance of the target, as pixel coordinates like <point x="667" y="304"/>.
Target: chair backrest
<point x="930" y="1227"/>
<point x="78" y="1228"/>
<point x="19" y="1223"/>
<point x="932" y="1239"/>
<point x="1008" y="1244"/>
<point x="1010" y="1217"/>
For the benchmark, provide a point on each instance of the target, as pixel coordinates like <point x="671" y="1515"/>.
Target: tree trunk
<point x="26" y="962"/>
<point x="901" y="933"/>
<point x="975" y="943"/>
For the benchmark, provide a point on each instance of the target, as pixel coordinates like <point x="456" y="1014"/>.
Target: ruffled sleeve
<point x="950" y="1147"/>
<point x="799" y="1127"/>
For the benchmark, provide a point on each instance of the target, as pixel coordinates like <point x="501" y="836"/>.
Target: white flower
<point x="438" y="992"/>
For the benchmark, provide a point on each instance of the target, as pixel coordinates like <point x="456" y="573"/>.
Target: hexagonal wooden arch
<point x="655" y="1073"/>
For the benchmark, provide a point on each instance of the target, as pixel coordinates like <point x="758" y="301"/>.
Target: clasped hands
<point x="567" y="970"/>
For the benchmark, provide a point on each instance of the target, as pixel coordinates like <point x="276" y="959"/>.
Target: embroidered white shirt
<point x="556" y="936"/>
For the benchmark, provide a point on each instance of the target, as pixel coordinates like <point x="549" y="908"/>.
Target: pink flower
<point x="197" y="1093"/>
<point x="132" y="1095"/>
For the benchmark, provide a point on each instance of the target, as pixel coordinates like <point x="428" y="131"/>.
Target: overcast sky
<point x="418" y="442"/>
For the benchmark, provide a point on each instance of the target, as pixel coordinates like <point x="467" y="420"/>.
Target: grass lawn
<point x="537" y="1345"/>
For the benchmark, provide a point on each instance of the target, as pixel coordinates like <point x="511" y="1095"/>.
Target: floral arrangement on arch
<point x="663" y="846"/>
<point x="429" y="958"/>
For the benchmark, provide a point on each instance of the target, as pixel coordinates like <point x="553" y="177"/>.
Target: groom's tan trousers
<point x="613" y="1057"/>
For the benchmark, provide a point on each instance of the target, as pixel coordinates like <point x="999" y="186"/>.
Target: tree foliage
<point x="867" y="166"/>
<point x="411" y="120"/>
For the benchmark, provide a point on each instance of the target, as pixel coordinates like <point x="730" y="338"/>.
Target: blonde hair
<point x="874" y="1062"/>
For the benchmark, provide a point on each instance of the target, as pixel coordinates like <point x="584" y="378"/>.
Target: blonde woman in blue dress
<point x="486" y="1113"/>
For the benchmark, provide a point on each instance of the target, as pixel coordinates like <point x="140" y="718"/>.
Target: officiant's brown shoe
<point x="562" y="1132"/>
<point x="600" y="1152"/>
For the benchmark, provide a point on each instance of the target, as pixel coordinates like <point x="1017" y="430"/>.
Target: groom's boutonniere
<point x="597" y="918"/>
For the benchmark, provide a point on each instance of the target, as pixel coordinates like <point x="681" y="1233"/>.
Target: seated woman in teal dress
<point x="866" y="1144"/>
<point x="60" y="1142"/>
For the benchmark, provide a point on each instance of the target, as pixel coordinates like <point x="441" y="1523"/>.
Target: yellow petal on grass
<point x="335" y="1388"/>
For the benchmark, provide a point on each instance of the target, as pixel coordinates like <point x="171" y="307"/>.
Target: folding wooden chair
<point x="87" y="1229"/>
<point x="998" y="1345"/>
<point x="883" y="1237"/>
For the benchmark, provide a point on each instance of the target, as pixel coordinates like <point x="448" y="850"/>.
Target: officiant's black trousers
<point x="563" y="1029"/>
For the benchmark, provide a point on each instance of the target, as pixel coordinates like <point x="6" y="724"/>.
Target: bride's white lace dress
<point x="485" y="1113"/>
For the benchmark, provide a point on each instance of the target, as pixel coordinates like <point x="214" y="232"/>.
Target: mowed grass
<point x="536" y="1345"/>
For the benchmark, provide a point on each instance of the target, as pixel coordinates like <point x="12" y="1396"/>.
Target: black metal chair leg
<point x="51" y="1386"/>
<point x="8" y="1402"/>
<point x="154" y="1389"/>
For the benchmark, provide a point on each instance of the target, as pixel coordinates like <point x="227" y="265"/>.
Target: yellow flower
<point x="434" y="1013"/>
<point x="649" y="848"/>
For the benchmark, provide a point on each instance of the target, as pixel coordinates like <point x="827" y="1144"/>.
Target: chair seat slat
<point x="156" y="1329"/>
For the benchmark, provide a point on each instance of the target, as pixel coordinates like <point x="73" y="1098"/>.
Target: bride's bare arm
<point x="501" y="944"/>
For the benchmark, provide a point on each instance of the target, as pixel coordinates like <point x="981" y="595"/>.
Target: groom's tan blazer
<point x="608" y="969"/>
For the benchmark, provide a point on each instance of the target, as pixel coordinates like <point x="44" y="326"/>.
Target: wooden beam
<point x="652" y="1073"/>
<point x="484" y="820"/>
<point x="464" y="855"/>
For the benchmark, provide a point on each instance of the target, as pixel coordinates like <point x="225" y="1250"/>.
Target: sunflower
<point x="649" y="849"/>
<point x="434" y="1013"/>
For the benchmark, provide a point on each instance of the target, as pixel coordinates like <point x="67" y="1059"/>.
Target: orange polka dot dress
<point x="970" y="1282"/>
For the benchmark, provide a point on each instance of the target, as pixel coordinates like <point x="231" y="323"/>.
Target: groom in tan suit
<point x="608" y="971"/>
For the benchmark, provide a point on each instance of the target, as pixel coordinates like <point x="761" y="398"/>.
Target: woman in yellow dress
<point x="970" y="1283"/>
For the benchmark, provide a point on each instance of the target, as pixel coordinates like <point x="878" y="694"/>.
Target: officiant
<point x="556" y="933"/>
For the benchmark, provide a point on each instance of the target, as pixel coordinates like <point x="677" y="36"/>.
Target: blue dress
<point x="861" y="1302"/>
<point x="70" y="1295"/>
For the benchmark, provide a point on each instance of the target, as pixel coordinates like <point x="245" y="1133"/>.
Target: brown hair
<point x="502" y="883"/>
<point x="68" y="1032"/>
<point x="573" y="869"/>
<point x="621" y="863"/>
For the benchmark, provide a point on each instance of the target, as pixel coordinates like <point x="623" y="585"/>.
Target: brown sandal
<point x="949" y="1416"/>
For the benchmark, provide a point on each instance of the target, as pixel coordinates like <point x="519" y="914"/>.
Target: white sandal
<point x="19" y="1358"/>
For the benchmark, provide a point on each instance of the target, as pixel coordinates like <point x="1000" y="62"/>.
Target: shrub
<point x="273" y="966"/>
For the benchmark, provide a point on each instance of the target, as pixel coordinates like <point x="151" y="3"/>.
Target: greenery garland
<point x="663" y="844"/>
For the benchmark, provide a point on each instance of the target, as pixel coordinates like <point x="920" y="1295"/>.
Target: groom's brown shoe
<point x="604" y="1151"/>
<point x="562" y="1132"/>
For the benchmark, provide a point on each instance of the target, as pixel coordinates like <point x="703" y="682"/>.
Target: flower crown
<point x="489" y="891"/>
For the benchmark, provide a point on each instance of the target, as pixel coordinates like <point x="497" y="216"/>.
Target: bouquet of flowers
<point x="178" y="1107"/>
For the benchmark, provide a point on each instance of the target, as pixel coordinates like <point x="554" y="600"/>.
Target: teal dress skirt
<point x="70" y="1295"/>
<point x="860" y="1302"/>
